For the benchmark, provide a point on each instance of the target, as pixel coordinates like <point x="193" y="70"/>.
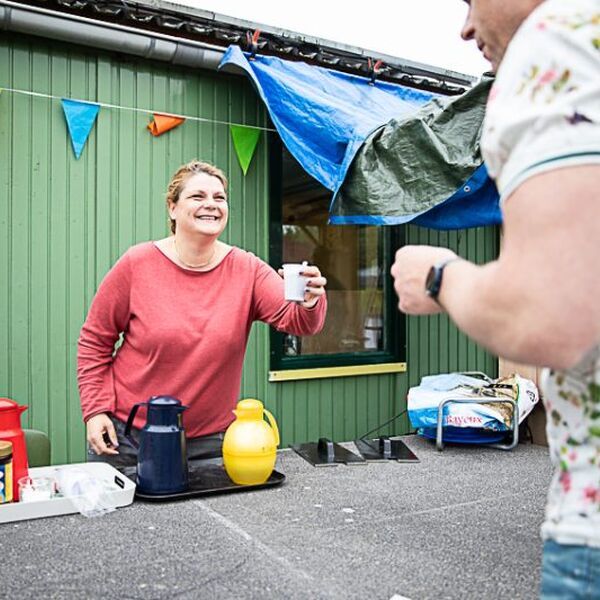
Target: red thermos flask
<point x="10" y="430"/>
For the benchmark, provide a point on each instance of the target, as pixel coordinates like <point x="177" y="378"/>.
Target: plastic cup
<point x="35" y="489"/>
<point x="294" y="283"/>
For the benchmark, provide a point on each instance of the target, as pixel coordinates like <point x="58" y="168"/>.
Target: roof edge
<point x="217" y="30"/>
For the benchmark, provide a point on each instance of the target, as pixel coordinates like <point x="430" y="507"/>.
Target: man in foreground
<point x="539" y="302"/>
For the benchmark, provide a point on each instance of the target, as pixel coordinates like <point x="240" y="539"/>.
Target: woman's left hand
<point x="315" y="285"/>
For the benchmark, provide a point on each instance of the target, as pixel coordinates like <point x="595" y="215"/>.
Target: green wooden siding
<point x="64" y="222"/>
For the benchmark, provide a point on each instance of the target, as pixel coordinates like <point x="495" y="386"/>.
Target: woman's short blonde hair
<point x="182" y="174"/>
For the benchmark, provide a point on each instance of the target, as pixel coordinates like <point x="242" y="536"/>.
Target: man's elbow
<point x="572" y="354"/>
<point x="552" y="349"/>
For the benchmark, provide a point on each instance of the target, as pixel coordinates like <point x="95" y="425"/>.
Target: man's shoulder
<point x="557" y="44"/>
<point x="544" y="108"/>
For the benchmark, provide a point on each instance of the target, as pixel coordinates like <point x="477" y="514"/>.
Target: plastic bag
<point x="88" y="494"/>
<point x="424" y="400"/>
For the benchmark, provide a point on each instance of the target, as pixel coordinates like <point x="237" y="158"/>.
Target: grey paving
<point x="460" y="524"/>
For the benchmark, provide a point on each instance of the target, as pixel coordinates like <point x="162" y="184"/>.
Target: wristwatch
<point x="433" y="283"/>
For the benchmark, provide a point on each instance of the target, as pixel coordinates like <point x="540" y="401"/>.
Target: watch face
<point x="429" y="282"/>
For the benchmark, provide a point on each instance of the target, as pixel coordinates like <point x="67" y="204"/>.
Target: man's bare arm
<point x="539" y="303"/>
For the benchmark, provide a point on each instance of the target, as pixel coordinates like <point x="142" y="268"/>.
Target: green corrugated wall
<point x="63" y="222"/>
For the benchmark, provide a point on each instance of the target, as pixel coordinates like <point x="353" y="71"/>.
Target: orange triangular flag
<point x="163" y="123"/>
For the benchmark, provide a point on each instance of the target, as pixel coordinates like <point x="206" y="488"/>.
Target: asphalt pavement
<point x="462" y="523"/>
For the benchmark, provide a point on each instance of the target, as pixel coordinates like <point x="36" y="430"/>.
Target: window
<point x="363" y="325"/>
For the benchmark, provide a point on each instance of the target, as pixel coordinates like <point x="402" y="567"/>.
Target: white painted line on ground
<point x="245" y="535"/>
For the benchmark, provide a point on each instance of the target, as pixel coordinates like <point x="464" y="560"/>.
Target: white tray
<point x="121" y="495"/>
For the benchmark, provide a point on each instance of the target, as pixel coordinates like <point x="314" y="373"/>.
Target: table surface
<point x="462" y="523"/>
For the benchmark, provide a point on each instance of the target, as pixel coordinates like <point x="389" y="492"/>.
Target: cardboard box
<point x="537" y="418"/>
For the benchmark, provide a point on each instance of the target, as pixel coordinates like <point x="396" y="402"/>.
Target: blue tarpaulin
<point x="324" y="118"/>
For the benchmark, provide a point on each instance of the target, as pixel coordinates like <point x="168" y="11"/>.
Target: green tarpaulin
<point x="414" y="164"/>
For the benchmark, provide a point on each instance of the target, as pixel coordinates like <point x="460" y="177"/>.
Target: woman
<point x="185" y="305"/>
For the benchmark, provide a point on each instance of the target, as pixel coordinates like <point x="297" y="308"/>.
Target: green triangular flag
<point x="244" y="142"/>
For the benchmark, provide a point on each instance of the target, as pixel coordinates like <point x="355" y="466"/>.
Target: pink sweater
<point x="185" y="334"/>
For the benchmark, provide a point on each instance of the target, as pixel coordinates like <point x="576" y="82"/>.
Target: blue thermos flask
<point x="162" y="460"/>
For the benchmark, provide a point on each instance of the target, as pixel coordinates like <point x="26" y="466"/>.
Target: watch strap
<point x="434" y="279"/>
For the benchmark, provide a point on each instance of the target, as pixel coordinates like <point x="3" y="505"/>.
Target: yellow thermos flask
<point x="250" y="445"/>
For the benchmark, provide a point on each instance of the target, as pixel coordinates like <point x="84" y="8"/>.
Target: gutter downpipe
<point x="107" y="36"/>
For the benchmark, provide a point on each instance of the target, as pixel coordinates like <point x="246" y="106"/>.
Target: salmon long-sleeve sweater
<point x="185" y="334"/>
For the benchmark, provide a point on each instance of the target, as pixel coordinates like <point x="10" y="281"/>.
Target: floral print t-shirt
<point x="543" y="113"/>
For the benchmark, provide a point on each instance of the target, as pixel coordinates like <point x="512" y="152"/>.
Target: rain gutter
<point x="33" y="20"/>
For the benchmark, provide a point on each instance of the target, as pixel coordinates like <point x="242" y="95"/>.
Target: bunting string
<point x="139" y="110"/>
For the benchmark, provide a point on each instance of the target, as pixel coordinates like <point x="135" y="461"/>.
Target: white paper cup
<point x="294" y="283"/>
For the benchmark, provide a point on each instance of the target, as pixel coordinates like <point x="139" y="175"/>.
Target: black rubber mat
<point x="326" y="453"/>
<point x="385" y="448"/>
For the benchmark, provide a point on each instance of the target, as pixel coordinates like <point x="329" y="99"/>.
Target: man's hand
<point x="410" y="271"/>
<point x="97" y="426"/>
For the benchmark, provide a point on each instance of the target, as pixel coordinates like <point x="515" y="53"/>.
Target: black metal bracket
<point x="326" y="450"/>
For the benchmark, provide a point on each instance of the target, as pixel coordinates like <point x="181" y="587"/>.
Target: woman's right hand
<point x="97" y="426"/>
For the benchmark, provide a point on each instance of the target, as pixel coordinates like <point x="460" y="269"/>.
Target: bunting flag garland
<point x="163" y="123"/>
<point x="81" y="115"/>
<point x="80" y="118"/>
<point x="245" y="140"/>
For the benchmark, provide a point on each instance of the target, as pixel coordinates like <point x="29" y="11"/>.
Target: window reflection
<point x="351" y="257"/>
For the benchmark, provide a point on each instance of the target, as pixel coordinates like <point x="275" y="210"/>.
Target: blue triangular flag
<point x="80" y="120"/>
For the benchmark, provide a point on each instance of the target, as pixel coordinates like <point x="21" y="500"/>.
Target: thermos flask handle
<point x="130" y="419"/>
<point x="273" y="425"/>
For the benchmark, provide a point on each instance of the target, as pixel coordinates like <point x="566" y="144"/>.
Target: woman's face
<point x="202" y="206"/>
